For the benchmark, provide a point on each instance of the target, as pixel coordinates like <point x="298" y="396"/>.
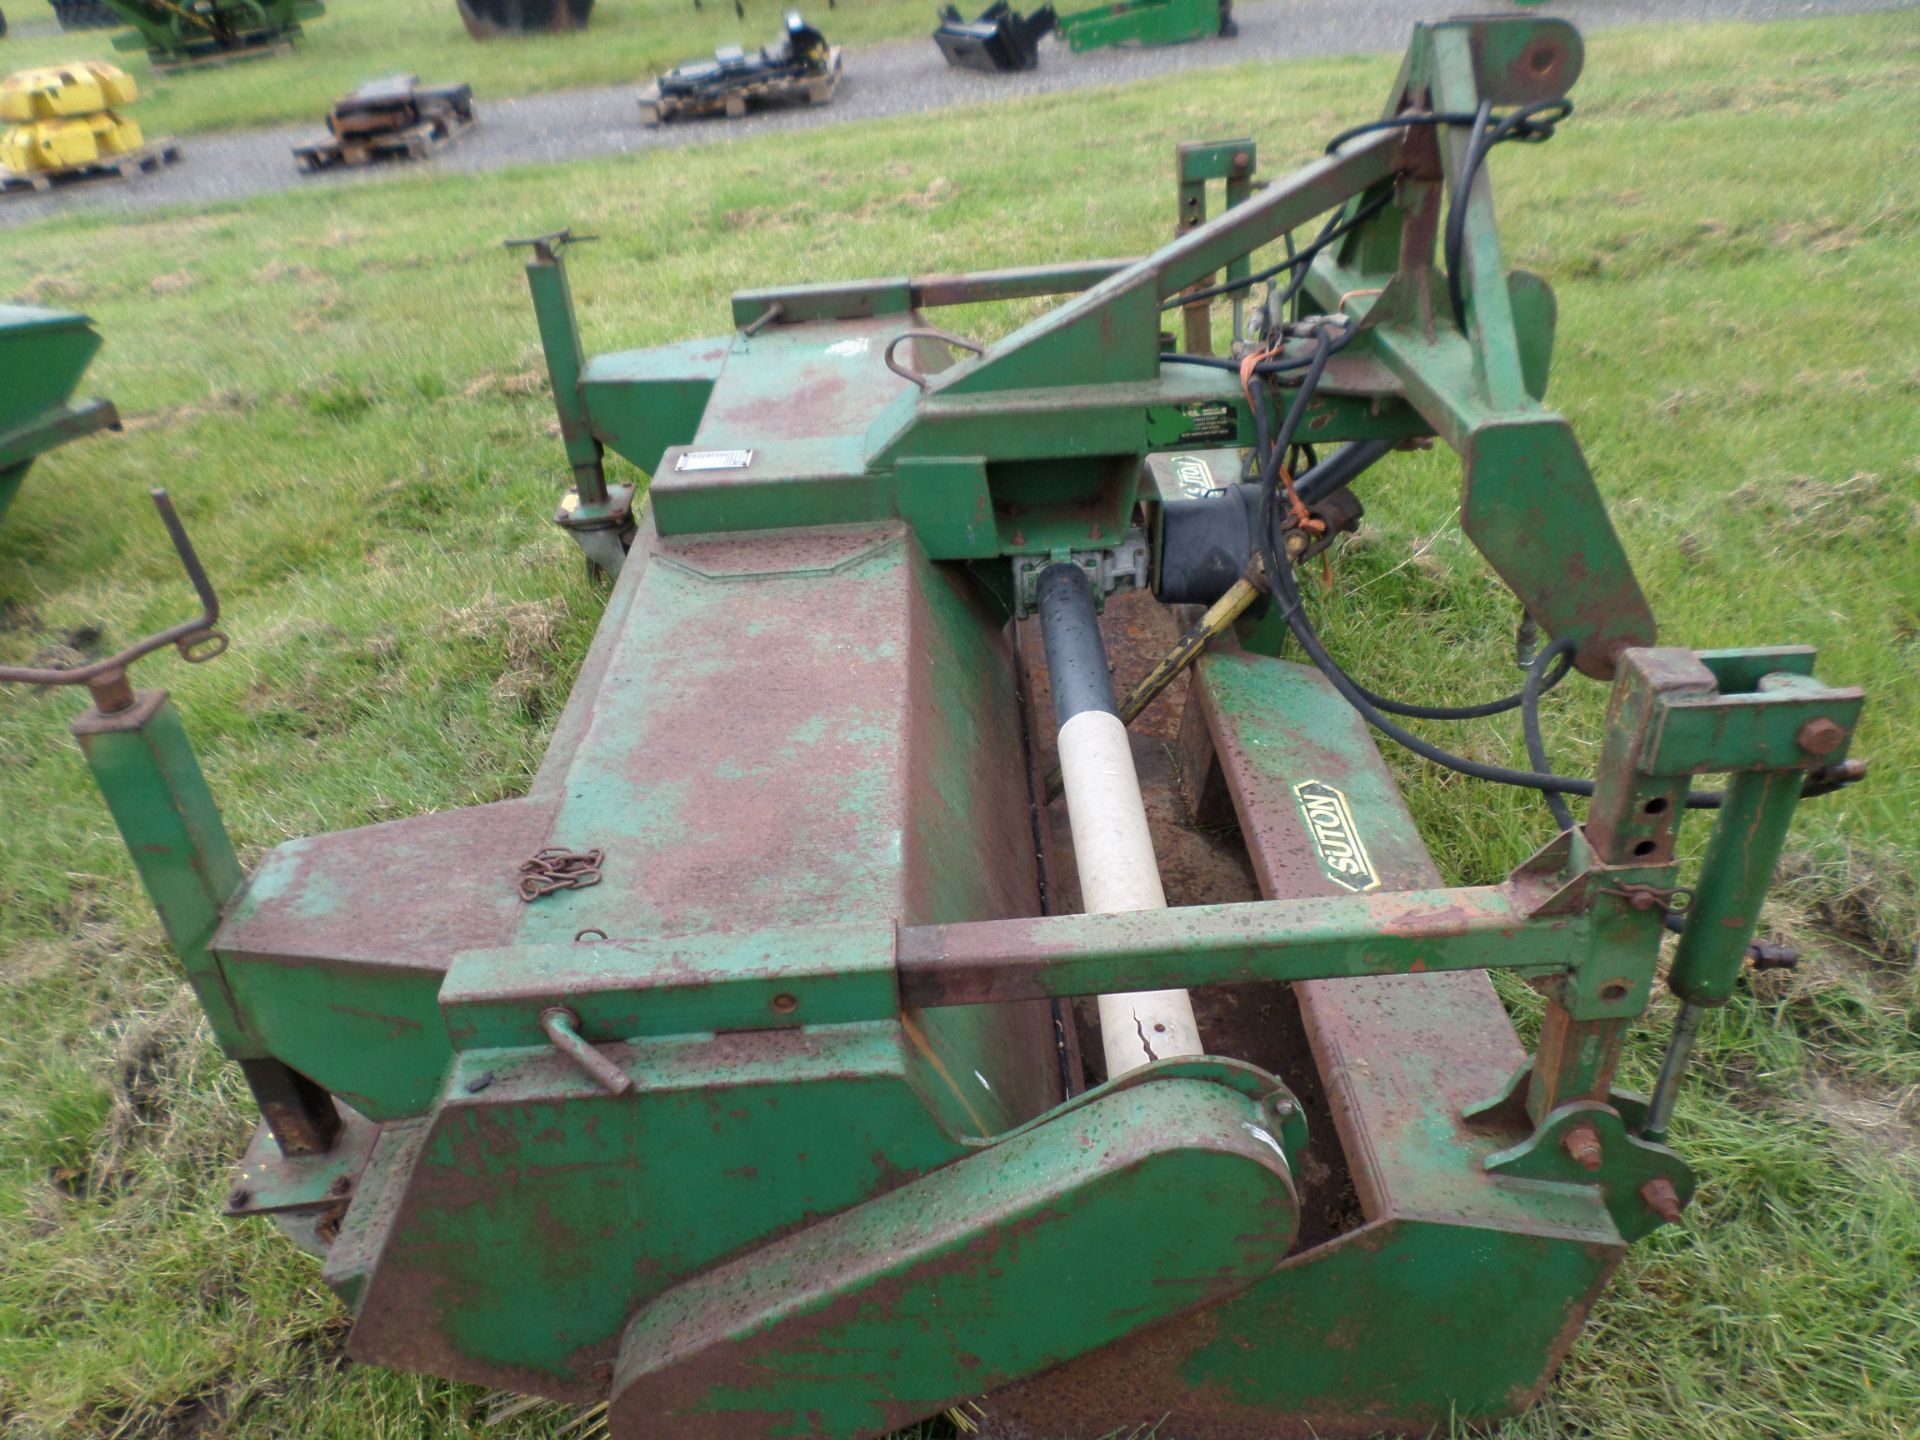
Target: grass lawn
<point x="343" y="391"/>
<point x="627" y="42"/>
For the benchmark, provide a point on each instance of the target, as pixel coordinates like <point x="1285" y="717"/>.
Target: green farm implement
<point x="1147" y="22"/>
<point x="788" y="1060"/>
<point x="43" y="354"/>
<point x="185" y="34"/>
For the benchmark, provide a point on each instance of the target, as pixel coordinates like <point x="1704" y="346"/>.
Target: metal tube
<point x="1686" y="1028"/>
<point x="560" y="339"/>
<point x="1112" y="846"/>
<point x="1748" y="834"/>
<point x="561" y="1025"/>
<point x="1223" y="612"/>
<point x="1322" y="937"/>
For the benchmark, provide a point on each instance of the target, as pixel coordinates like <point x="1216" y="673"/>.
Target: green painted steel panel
<point x="543" y="1211"/>
<point x="43" y="354"/>
<point x="1402" y="1326"/>
<point x="1142" y="1203"/>
<point x="640" y="402"/>
<point x="370" y="1032"/>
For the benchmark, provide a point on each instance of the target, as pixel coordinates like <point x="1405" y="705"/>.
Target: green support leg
<point x="560" y="339"/>
<point x="597" y="515"/>
<point x="1748" y="835"/>
<point x="154" y="788"/>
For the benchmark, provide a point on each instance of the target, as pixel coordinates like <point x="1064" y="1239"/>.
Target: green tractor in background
<point x="178" y="34"/>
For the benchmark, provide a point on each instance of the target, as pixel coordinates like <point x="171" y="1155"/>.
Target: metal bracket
<point x="601" y="530"/>
<point x="1643" y="1185"/>
<point x="270" y="1182"/>
<point x="197" y="640"/>
<point x="547" y="247"/>
<point x="1120" y="568"/>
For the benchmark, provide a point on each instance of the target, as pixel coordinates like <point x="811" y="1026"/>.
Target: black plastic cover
<point x="999" y="40"/>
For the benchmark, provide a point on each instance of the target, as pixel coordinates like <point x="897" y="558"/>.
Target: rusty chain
<point x="557" y="868"/>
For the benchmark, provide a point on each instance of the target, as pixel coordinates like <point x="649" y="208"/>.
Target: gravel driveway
<point x="897" y="78"/>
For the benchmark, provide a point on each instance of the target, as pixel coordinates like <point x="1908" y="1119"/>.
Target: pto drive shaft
<point x="1112" y="848"/>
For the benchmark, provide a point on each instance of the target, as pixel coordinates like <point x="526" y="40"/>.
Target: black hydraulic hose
<point x="1287" y="587"/>
<point x="1323" y="351"/>
<point x="1561" y="649"/>
<point x="1330" y="232"/>
<point x="1530" y="124"/>
<point x="1340" y="468"/>
<point x="1457" y="213"/>
<point x="1517" y="700"/>
<point x="1266" y="368"/>
<point x="1321" y="481"/>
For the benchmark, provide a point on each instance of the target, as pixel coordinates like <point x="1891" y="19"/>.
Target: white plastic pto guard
<point x="1113" y="851"/>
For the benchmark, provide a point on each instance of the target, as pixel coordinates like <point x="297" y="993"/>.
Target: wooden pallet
<point x="148" y="157"/>
<point x="658" y="109"/>
<point x="416" y="142"/>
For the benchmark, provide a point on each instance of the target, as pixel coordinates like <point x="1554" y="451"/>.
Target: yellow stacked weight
<point x="61" y="116"/>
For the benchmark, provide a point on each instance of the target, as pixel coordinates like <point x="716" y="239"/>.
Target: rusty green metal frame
<point x="1232" y="162"/>
<point x="754" y="1122"/>
<point x="1084" y="390"/>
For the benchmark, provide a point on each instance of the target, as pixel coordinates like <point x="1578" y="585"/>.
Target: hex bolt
<point x="1582" y="1142"/>
<point x="1820" y="737"/>
<point x="1662" y="1199"/>
<point x="1283" y="1107"/>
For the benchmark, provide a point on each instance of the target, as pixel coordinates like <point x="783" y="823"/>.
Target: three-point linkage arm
<point x="1087" y="388"/>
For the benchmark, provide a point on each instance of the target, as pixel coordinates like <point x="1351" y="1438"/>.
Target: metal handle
<point x="546" y="248"/>
<point x="563" y="1029"/>
<point x="914" y="375"/>
<point x="197" y="640"/>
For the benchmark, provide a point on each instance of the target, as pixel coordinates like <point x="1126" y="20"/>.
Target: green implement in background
<point x="184" y="34"/>
<point x="1147" y="22"/>
<point x="43" y="354"/>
